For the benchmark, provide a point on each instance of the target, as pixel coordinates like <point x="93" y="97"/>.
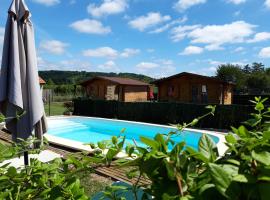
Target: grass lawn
<point x="57" y="108"/>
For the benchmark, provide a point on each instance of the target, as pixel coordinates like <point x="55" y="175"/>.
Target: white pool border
<point x="82" y="147"/>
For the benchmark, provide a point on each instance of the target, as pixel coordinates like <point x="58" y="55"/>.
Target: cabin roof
<point x="187" y="74"/>
<point x="41" y="81"/>
<point x="117" y="80"/>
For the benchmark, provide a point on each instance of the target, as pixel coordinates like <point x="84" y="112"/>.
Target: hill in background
<point x="75" y="77"/>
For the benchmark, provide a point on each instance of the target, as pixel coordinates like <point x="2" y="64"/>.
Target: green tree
<point x="267" y="72"/>
<point x="258" y="82"/>
<point x="247" y="69"/>
<point x="231" y="73"/>
<point x="50" y="82"/>
<point x="257" y="67"/>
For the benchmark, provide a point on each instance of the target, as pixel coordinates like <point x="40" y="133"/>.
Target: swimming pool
<point x="76" y="131"/>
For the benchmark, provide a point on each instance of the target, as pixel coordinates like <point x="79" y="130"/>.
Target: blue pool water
<point x="93" y="130"/>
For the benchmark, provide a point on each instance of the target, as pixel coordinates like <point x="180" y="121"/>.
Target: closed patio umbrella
<point x="19" y="83"/>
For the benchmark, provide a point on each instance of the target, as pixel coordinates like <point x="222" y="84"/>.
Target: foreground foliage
<point x="176" y="170"/>
<point x="54" y="180"/>
<point x="185" y="173"/>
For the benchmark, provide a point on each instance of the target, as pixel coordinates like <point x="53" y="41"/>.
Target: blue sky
<point x="152" y="37"/>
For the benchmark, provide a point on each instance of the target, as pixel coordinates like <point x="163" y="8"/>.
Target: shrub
<point x="1" y="118"/>
<point x="54" y="180"/>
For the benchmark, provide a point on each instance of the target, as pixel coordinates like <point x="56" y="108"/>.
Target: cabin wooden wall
<point x="182" y="90"/>
<point x="97" y="89"/>
<point x="135" y="93"/>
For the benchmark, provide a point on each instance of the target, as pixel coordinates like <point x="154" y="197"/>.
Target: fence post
<point x="49" y="104"/>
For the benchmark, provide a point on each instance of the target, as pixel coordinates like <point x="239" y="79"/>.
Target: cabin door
<point x="194" y="94"/>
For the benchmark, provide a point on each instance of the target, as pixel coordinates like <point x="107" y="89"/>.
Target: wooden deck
<point x="115" y="173"/>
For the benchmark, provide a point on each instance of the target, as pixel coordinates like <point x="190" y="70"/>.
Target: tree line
<point x="249" y="79"/>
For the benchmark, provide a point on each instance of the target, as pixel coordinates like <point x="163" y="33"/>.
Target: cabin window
<point x="204" y="89"/>
<point x="204" y="94"/>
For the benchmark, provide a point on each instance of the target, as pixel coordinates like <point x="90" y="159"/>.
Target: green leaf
<point x="170" y="170"/>
<point x="194" y="122"/>
<point x="230" y="139"/>
<point x="262" y="157"/>
<point x="121" y="144"/>
<point x="12" y="171"/>
<point x="264" y="178"/>
<point x="101" y="145"/>
<point x="233" y="161"/>
<point x="244" y="178"/>
<point x="259" y="106"/>
<point x="111" y="153"/>
<point x="208" y="148"/>
<point x="149" y="142"/>
<point x="220" y="177"/>
<point x="160" y="139"/>
<point x="197" y="155"/>
<point x="205" y="187"/>
<point x="114" y="140"/>
<point x="242" y="131"/>
<point x="266" y="135"/>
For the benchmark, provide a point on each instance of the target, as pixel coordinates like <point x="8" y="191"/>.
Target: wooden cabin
<point x="193" y="88"/>
<point x="116" y="88"/>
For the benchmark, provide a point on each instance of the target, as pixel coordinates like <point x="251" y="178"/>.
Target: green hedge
<point x="163" y="113"/>
<point x="245" y="99"/>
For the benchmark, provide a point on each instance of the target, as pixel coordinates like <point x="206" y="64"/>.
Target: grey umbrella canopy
<point x="19" y="82"/>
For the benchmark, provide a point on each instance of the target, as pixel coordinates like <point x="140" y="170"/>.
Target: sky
<point x="157" y="38"/>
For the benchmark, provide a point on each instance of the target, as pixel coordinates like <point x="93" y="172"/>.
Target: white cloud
<point x="265" y="52"/>
<point x="108" y="7"/>
<point x="180" y="32"/>
<point x="236" y="2"/>
<point x="128" y="52"/>
<point x="165" y="62"/>
<point x="207" y="71"/>
<point x="169" y="25"/>
<point x="267" y="3"/>
<point x="221" y="34"/>
<point x="239" y="49"/>
<point x="213" y="47"/>
<point x="47" y="2"/>
<point x="110" y="52"/>
<point x="70" y="65"/>
<point x="262" y="36"/>
<point x="214" y="36"/>
<point x="190" y="50"/>
<point x="53" y="46"/>
<point x="158" y="68"/>
<point x="150" y="20"/>
<point x="109" y="66"/>
<point x="182" y="5"/>
<point x="146" y="66"/>
<point x="90" y="26"/>
<point x="101" y="52"/>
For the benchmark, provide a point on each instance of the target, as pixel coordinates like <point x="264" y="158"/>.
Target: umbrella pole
<point x="26" y="158"/>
